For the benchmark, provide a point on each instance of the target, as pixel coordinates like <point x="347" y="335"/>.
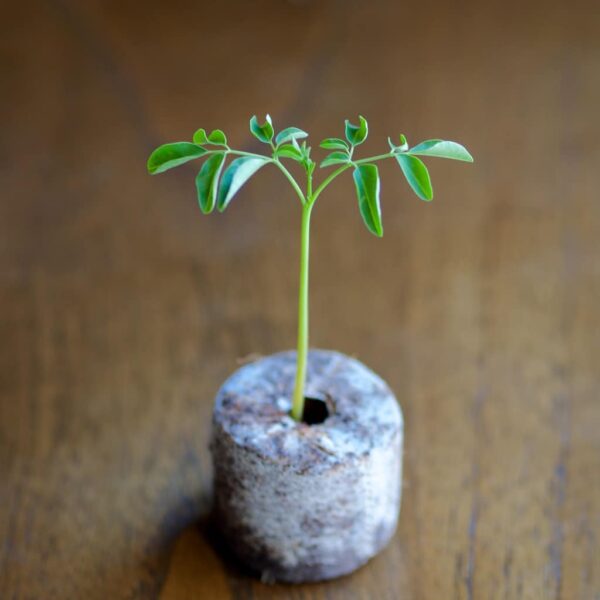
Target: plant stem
<point x="307" y="201"/>
<point x="302" y="354"/>
<point x="329" y="179"/>
<point x="291" y="179"/>
<point x="298" y="399"/>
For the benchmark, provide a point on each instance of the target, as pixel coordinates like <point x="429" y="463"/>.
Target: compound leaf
<point x="262" y="132"/>
<point x="335" y="158"/>
<point x="417" y="175"/>
<point x="217" y="137"/>
<point x="200" y="137"/>
<point x="289" y="151"/>
<point x="167" y="156"/>
<point x="442" y="149"/>
<point x="289" y="134"/>
<point x="334" y="144"/>
<point x="366" y="180"/>
<point x="357" y="134"/>
<point x="235" y="176"/>
<point x="207" y="181"/>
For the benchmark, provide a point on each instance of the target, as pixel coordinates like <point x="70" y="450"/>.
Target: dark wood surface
<point x="123" y="309"/>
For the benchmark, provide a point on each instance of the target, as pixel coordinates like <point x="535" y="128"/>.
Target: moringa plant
<point x="216" y="187"/>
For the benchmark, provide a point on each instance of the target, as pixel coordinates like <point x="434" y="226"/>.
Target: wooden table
<point x="123" y="308"/>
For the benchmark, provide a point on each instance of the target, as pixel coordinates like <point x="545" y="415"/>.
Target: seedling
<point x="216" y="187"/>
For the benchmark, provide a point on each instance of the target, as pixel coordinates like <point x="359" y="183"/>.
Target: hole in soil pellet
<point x="316" y="410"/>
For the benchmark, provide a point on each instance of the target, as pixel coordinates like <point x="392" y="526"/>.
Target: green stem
<point x="291" y="179"/>
<point x="298" y="399"/>
<point x="329" y="179"/>
<point x="307" y="201"/>
<point x="373" y="158"/>
<point x="302" y="354"/>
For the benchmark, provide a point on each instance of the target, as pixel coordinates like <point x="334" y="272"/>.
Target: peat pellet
<point x="301" y="502"/>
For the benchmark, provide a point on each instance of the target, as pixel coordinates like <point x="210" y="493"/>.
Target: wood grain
<point x="122" y="308"/>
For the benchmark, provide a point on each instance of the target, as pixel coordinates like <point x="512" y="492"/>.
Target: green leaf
<point x="167" y="156"/>
<point x="334" y="144"/>
<point x="217" y="137"/>
<point x="234" y="177"/>
<point x="357" y="134"/>
<point x="306" y="162"/>
<point x="442" y="149"/>
<point x="366" y="180"/>
<point x="263" y="132"/>
<point x="289" y="151"/>
<point x="335" y="158"/>
<point x="289" y="134"/>
<point x="200" y="137"/>
<point x="403" y="147"/>
<point x="417" y="175"/>
<point x="207" y="181"/>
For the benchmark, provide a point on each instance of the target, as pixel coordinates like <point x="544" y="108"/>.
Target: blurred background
<point x="123" y="308"/>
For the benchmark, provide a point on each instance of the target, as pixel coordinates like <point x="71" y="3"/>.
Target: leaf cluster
<point x="366" y="174"/>
<point x="217" y="184"/>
